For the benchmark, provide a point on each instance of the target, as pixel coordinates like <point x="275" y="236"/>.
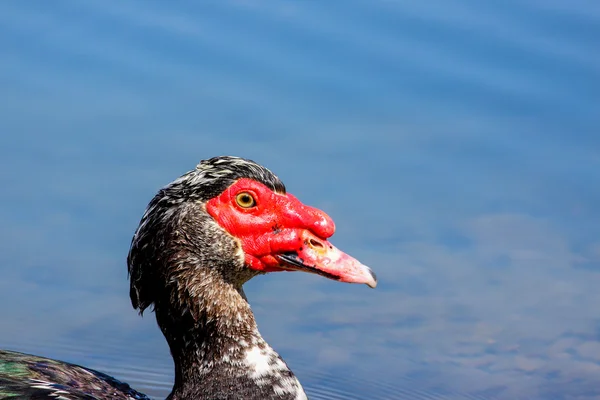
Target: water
<point x="454" y="143"/>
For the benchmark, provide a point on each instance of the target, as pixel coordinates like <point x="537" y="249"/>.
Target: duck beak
<point x="321" y="257"/>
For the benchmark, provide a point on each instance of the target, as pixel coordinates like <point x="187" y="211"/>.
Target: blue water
<point x="455" y="143"/>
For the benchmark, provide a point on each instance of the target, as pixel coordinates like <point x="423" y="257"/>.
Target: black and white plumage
<point x="198" y="242"/>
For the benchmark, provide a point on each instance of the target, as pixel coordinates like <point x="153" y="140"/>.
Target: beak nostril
<point x="316" y="244"/>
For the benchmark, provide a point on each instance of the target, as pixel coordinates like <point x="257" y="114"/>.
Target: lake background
<point x="455" y="143"/>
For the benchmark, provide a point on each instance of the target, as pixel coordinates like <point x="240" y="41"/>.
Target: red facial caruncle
<point x="278" y="232"/>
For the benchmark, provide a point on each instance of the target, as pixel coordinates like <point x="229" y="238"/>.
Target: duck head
<point x="232" y="218"/>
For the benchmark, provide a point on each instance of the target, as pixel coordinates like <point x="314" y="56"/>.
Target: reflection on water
<point x="454" y="144"/>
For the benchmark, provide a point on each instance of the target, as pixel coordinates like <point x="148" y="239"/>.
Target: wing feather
<point x="27" y="377"/>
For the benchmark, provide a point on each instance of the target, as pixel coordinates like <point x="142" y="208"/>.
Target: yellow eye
<point x="245" y="200"/>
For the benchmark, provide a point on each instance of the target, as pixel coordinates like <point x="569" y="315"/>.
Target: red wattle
<point x="273" y="225"/>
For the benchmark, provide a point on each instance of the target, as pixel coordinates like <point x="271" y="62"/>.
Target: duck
<point x="199" y="240"/>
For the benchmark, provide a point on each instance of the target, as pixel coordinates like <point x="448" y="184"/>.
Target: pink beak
<point x="321" y="257"/>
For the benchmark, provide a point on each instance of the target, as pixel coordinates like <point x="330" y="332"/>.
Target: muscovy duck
<point x="200" y="239"/>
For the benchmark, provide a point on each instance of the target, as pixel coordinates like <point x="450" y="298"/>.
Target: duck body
<point x="24" y="376"/>
<point x="200" y="239"/>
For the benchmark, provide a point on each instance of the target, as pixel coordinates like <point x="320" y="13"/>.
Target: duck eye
<point x="245" y="200"/>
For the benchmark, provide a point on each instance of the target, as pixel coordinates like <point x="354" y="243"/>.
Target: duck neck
<point x="217" y="348"/>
